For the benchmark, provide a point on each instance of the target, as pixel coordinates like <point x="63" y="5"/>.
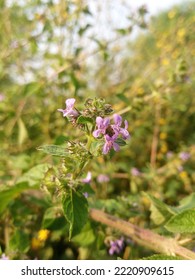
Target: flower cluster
<point x="116" y="246"/>
<point x="111" y="132"/>
<point x="135" y="172"/>
<point x="103" y="178"/>
<point x="4" y="257"/>
<point x="184" y="156"/>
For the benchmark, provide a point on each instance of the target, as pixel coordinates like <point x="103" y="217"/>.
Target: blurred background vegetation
<point x="48" y="53"/>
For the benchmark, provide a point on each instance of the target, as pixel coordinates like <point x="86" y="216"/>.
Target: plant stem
<point x="144" y="237"/>
<point x="155" y="137"/>
<point x="89" y="141"/>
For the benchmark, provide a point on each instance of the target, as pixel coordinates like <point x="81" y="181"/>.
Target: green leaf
<point x="160" y="211"/>
<point x="84" y="120"/>
<point x="161" y="257"/>
<point x="187" y="203"/>
<point x="35" y="175"/>
<point x="156" y="215"/>
<point x="123" y="98"/>
<point x="82" y="30"/>
<point x="22" y="132"/>
<point x="96" y="148"/>
<point x="120" y="142"/>
<point x="61" y="139"/>
<point x="182" y="223"/>
<point x="31" y="88"/>
<point x="122" y="31"/>
<point x="85" y="237"/>
<point x="49" y="216"/>
<point x="19" y="241"/>
<point x="54" y="150"/>
<point x="75" y="207"/>
<point x="87" y="188"/>
<point x="7" y="196"/>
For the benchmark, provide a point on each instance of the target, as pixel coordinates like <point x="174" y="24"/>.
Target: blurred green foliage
<point x="44" y="60"/>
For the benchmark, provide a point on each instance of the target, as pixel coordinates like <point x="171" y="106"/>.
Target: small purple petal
<point x="108" y="138"/>
<point x="117" y="119"/>
<point x="124" y="133"/>
<point x="106" y="122"/>
<point x="87" y="180"/>
<point x="114" y="137"/>
<point x="86" y="195"/>
<point x="116" y="147"/>
<point x="184" y="156"/>
<point x="4" y="257"/>
<point x="73" y="112"/>
<point x="135" y="172"/>
<point x="106" y="148"/>
<point x="99" y="121"/>
<point x="126" y="124"/>
<point x="65" y="112"/>
<point x="61" y="110"/>
<point x="103" y="178"/>
<point x="96" y="133"/>
<point x="70" y="102"/>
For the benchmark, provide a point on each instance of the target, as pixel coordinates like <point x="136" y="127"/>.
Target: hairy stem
<point x="143" y="237"/>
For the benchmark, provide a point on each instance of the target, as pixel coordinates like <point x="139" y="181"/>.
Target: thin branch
<point x="144" y="237"/>
<point x="155" y="137"/>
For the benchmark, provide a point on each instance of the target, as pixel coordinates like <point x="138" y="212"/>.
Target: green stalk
<point x="89" y="141"/>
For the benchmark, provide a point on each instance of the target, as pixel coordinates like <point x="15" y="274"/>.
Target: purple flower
<point x="110" y="143"/>
<point x="116" y="246"/>
<point x="103" y="178"/>
<point x="2" y="96"/>
<point x="69" y="111"/>
<point x="169" y="154"/>
<point x="87" y="180"/>
<point x="4" y="257"/>
<point x="111" y="132"/>
<point x="117" y="126"/>
<point x="135" y="172"/>
<point x="86" y="195"/>
<point x="184" y="156"/>
<point x="180" y="168"/>
<point x="102" y="125"/>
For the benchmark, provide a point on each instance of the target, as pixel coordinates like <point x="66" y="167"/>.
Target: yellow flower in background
<point x="183" y="174"/>
<point x="171" y="14"/>
<point x="168" y="48"/>
<point x="160" y="156"/>
<point x="165" y="61"/>
<point x="164" y="148"/>
<point x="36" y="243"/>
<point x="43" y="234"/>
<point x="163" y="135"/>
<point x="175" y="54"/>
<point x="162" y="121"/>
<point x="159" y="44"/>
<point x="140" y="91"/>
<point x="181" y="33"/>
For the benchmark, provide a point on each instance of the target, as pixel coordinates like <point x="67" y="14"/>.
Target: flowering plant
<point x="101" y="136"/>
